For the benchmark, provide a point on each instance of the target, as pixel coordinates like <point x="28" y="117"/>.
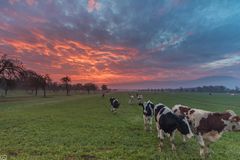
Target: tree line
<point x="217" y="89"/>
<point x="13" y="75"/>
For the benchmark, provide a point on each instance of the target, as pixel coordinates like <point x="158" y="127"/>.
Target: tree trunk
<point x="67" y="89"/>
<point x="36" y="92"/>
<point x="6" y="92"/>
<point x="44" y="92"/>
<point x="88" y="91"/>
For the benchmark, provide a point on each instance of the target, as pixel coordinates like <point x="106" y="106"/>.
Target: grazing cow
<point x="131" y="99"/>
<point x="208" y="126"/>
<point x="148" y="112"/>
<point x="140" y="98"/>
<point x="114" y="104"/>
<point x="167" y="122"/>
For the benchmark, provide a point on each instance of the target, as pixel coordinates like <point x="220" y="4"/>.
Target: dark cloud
<point x="155" y="39"/>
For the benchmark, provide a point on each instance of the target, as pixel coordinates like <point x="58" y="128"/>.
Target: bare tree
<point x="7" y="84"/>
<point x="10" y="68"/>
<point x="45" y="81"/>
<point x="66" y="80"/>
<point x="10" y="72"/>
<point x="104" y="87"/>
<point x="32" y="80"/>
<point x="90" y="87"/>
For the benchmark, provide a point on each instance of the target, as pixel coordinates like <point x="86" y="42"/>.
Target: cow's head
<point x="148" y="108"/>
<point x="234" y="123"/>
<point x="111" y="99"/>
<point x="184" y="127"/>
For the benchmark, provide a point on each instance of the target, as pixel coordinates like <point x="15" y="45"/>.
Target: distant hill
<point x="227" y="81"/>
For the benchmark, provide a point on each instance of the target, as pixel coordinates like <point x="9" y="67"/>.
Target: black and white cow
<point x="208" y="126"/>
<point x="148" y="112"/>
<point x="167" y="123"/>
<point x="114" y="104"/>
<point x="140" y="98"/>
<point x="131" y="99"/>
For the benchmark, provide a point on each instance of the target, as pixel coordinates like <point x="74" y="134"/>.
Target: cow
<point x="208" y="126"/>
<point x="167" y="123"/>
<point x="140" y="98"/>
<point x="148" y="112"/>
<point x="114" y="104"/>
<point x="131" y="99"/>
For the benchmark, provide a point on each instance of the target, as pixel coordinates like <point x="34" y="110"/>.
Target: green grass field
<point x="82" y="127"/>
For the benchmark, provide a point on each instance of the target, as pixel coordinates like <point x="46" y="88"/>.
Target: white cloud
<point x="225" y="62"/>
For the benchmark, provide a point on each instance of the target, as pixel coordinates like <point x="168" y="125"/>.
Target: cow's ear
<point x="140" y="104"/>
<point x="231" y="120"/>
<point x="235" y="119"/>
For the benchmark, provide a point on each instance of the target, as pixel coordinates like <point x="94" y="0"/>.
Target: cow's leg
<point x="161" y="136"/>
<point x="184" y="138"/>
<point x="111" y="108"/>
<point x="206" y="148"/>
<point x="202" y="144"/>
<point x="150" y="123"/>
<point x="158" y="129"/>
<point x="172" y="135"/>
<point x="145" y="122"/>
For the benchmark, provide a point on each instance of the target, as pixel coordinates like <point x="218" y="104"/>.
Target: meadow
<point x="82" y="127"/>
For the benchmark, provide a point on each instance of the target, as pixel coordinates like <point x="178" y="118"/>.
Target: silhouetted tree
<point x="66" y="80"/>
<point x="77" y="87"/>
<point x="7" y="84"/>
<point x="10" y="68"/>
<point x="54" y="86"/>
<point x="104" y="87"/>
<point x="32" y="80"/>
<point x="10" y="71"/>
<point x="44" y="81"/>
<point x="90" y="87"/>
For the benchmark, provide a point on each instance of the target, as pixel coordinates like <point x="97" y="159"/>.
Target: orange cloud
<point x="81" y="61"/>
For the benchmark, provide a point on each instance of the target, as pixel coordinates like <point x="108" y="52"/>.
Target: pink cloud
<point x="29" y="2"/>
<point x="93" y="5"/>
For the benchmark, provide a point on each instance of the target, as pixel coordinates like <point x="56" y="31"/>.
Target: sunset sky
<point x="123" y="41"/>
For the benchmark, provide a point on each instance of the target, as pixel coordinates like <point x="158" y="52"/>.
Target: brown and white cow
<point x="208" y="126"/>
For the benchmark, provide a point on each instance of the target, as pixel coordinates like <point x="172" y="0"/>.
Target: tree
<point x="77" y="87"/>
<point x="7" y="84"/>
<point x="10" y="71"/>
<point x="10" y="68"/>
<point x="104" y="87"/>
<point x="66" y="80"/>
<point x="90" y="87"/>
<point x="237" y="89"/>
<point x="45" y="81"/>
<point x="54" y="86"/>
<point x="32" y="80"/>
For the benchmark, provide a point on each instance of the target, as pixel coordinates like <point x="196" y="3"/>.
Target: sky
<point x="123" y="41"/>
